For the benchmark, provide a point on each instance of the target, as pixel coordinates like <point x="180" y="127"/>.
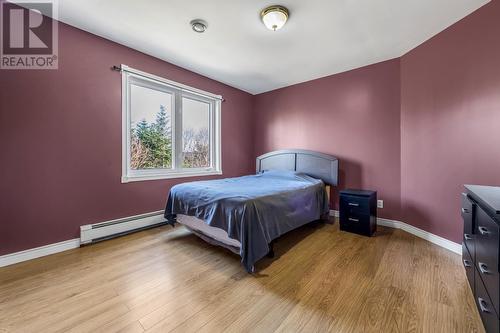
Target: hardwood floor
<point x="165" y="279"/>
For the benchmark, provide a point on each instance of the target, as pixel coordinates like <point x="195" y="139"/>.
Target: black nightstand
<point x="358" y="211"/>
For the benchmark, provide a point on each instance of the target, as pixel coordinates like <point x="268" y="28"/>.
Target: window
<point x="169" y="130"/>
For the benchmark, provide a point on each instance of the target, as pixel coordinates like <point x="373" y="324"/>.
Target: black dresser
<point x="358" y="211"/>
<point x="480" y="250"/>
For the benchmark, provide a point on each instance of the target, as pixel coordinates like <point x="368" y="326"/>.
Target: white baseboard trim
<point x="435" y="239"/>
<point x="88" y="233"/>
<point x="17" y="257"/>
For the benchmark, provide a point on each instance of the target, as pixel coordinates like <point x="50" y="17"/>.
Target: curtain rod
<point x="180" y="86"/>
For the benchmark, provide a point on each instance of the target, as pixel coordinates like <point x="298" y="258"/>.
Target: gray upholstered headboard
<point x="317" y="165"/>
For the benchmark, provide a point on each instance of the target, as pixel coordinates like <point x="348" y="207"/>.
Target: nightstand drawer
<point x="352" y="203"/>
<point x="354" y="227"/>
<point x="358" y="223"/>
<point x="354" y="218"/>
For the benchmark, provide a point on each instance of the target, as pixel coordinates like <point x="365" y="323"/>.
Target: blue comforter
<point x="252" y="209"/>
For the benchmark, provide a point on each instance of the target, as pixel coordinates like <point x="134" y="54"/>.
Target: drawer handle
<point x="483" y="268"/>
<point x="483" y="306"/>
<point x="465" y="210"/>
<point x="467" y="237"/>
<point x="355" y="204"/>
<point x="483" y="230"/>
<point x="353" y="219"/>
<point x="467" y="263"/>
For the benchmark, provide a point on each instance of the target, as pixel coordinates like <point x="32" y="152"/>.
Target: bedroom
<point x="125" y="136"/>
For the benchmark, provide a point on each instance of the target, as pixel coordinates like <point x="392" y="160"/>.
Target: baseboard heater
<point x="91" y="233"/>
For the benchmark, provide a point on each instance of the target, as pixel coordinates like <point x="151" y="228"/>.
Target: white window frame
<point x="178" y="91"/>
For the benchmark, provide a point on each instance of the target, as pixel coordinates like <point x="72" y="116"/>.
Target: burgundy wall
<point x="354" y="116"/>
<point x="60" y="138"/>
<point x="414" y="129"/>
<point x="450" y="120"/>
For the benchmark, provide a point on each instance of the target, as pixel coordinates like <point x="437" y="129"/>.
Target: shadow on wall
<point x="417" y="217"/>
<point x="349" y="177"/>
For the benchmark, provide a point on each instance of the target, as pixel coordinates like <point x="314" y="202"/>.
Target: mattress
<point x="212" y="235"/>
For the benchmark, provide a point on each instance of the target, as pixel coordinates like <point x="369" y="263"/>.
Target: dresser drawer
<point x="469" y="241"/>
<point x="469" y="266"/>
<point x="468" y="210"/>
<point x="467" y="213"/>
<point x="487" y="241"/>
<point x="354" y="204"/>
<point x="485" y="307"/>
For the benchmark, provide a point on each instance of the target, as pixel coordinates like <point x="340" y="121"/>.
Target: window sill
<point x="173" y="175"/>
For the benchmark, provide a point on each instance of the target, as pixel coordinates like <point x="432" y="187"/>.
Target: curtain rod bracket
<point x="116" y="68"/>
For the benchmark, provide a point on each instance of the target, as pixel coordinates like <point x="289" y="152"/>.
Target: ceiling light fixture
<point x="274" y="17"/>
<point x="198" y="26"/>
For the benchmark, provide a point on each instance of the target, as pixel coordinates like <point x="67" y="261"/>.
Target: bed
<point x="245" y="214"/>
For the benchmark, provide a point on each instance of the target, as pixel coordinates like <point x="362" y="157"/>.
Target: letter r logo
<point x="27" y="29"/>
<point x="29" y="34"/>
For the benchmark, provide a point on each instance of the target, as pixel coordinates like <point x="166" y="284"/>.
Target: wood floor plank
<point x="167" y="280"/>
<point x="134" y="327"/>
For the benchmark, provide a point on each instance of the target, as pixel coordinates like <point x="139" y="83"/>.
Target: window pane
<point x="195" y="133"/>
<point x="151" y="131"/>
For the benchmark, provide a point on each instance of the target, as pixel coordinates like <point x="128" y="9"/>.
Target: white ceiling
<point x="322" y="37"/>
